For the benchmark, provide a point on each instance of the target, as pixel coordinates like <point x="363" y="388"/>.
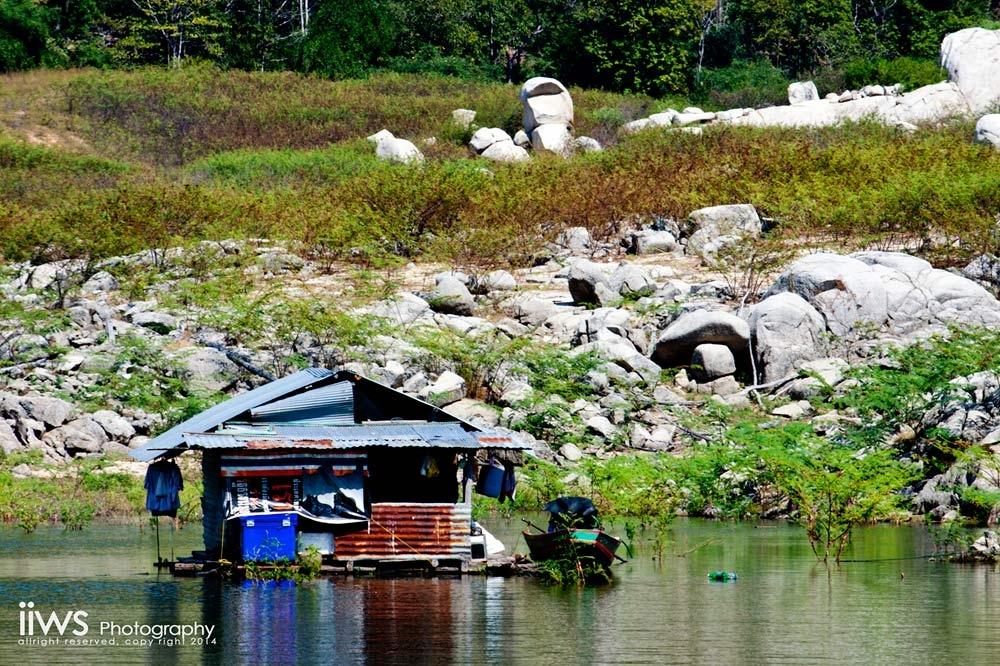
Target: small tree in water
<point x="836" y="489"/>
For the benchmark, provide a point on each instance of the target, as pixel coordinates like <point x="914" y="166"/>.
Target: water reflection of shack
<point x="371" y="475"/>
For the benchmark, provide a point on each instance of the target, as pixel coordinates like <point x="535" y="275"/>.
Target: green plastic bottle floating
<point x="722" y="575"/>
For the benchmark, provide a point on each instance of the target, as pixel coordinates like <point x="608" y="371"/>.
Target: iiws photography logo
<point x="70" y="627"/>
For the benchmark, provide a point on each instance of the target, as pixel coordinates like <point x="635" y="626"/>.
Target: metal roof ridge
<point x="220" y="413"/>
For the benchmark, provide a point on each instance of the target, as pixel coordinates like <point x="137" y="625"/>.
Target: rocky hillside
<point x="656" y="344"/>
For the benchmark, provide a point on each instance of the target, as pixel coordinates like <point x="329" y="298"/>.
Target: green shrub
<point x="280" y="156"/>
<point x="918" y="378"/>
<point x="633" y="486"/>
<point x="837" y="489"/>
<point x="24" y="34"/>
<point x="742" y="85"/>
<point x="430" y="61"/>
<point x="285" y="167"/>
<point x="910" y="72"/>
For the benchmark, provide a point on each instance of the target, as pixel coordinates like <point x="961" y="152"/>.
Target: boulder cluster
<point x="547" y="126"/>
<point x="971" y="58"/>
<point x="638" y="315"/>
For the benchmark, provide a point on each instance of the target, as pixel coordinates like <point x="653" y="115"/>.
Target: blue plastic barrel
<point x="490" y="481"/>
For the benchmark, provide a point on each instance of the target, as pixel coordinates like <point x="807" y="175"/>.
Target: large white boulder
<point x="804" y="114"/>
<point x="865" y="108"/>
<point x="679" y="340"/>
<point x="929" y="104"/>
<point x="711" y="361"/>
<point x="663" y="119"/>
<point x="546" y="101"/>
<point x="505" y="151"/>
<point x="380" y="136"/>
<point x="484" y="137"/>
<point x="53" y="412"/>
<point x="891" y="291"/>
<point x="451" y="296"/>
<point x="919" y="295"/>
<point x="463" y="117"/>
<point x="842" y="288"/>
<point x="784" y="329"/>
<point x="988" y="130"/>
<point x="447" y="389"/>
<point x="623" y="353"/>
<point x="551" y="138"/>
<point x="401" y="309"/>
<point x="716" y="227"/>
<point x="208" y="369"/>
<point x="802" y="91"/>
<point x="398" y="150"/>
<point x="586" y="144"/>
<point x="685" y="119"/>
<point x="591" y="283"/>
<point x="972" y="58"/>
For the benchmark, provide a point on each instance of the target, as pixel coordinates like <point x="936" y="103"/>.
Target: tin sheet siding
<point x="410" y="531"/>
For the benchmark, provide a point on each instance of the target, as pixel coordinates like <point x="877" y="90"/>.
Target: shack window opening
<point x="413" y="475"/>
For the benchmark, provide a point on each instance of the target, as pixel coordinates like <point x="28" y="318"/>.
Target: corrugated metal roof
<point x="424" y="435"/>
<point x="214" y="416"/>
<point x="333" y="404"/>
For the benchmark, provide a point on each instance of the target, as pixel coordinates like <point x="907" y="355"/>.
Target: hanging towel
<point x="163" y="488"/>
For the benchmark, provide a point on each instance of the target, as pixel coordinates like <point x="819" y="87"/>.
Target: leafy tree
<point x="797" y="35"/>
<point x="447" y="26"/>
<point x="349" y="38"/>
<point x="262" y="34"/>
<point x="24" y="34"/>
<point x="836" y="489"/>
<point x="641" y="45"/>
<point x="74" y="19"/>
<point x="802" y="35"/>
<point x="522" y="36"/>
<point x="179" y="27"/>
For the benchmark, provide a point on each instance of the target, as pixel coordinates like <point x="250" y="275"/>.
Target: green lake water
<point x="784" y="609"/>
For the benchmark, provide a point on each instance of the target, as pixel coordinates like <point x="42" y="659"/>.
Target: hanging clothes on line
<point x="163" y="488"/>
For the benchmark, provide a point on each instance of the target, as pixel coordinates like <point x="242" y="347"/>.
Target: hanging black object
<point x="508" y="484"/>
<point x="163" y="488"/>
<point x="572" y="512"/>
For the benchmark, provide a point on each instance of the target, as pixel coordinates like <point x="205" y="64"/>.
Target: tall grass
<point x="851" y="186"/>
<point x="204" y="154"/>
<point x="172" y="117"/>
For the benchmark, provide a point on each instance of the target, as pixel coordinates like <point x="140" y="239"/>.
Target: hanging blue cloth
<point x="163" y="488"/>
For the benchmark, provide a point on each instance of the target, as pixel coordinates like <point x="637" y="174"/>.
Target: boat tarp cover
<point x="572" y="512"/>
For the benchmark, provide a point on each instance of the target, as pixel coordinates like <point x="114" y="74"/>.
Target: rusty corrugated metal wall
<point x="409" y="531"/>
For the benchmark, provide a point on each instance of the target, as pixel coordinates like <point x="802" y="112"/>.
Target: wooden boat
<point x="578" y="543"/>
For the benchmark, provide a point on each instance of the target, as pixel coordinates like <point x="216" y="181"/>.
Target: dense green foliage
<point x="23" y="34"/>
<point x="918" y="377"/>
<point x="635" y="45"/>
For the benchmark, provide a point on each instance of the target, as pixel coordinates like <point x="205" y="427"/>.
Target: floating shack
<point x="366" y="474"/>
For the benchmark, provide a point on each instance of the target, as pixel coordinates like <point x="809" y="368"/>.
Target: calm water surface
<point x="784" y="609"/>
